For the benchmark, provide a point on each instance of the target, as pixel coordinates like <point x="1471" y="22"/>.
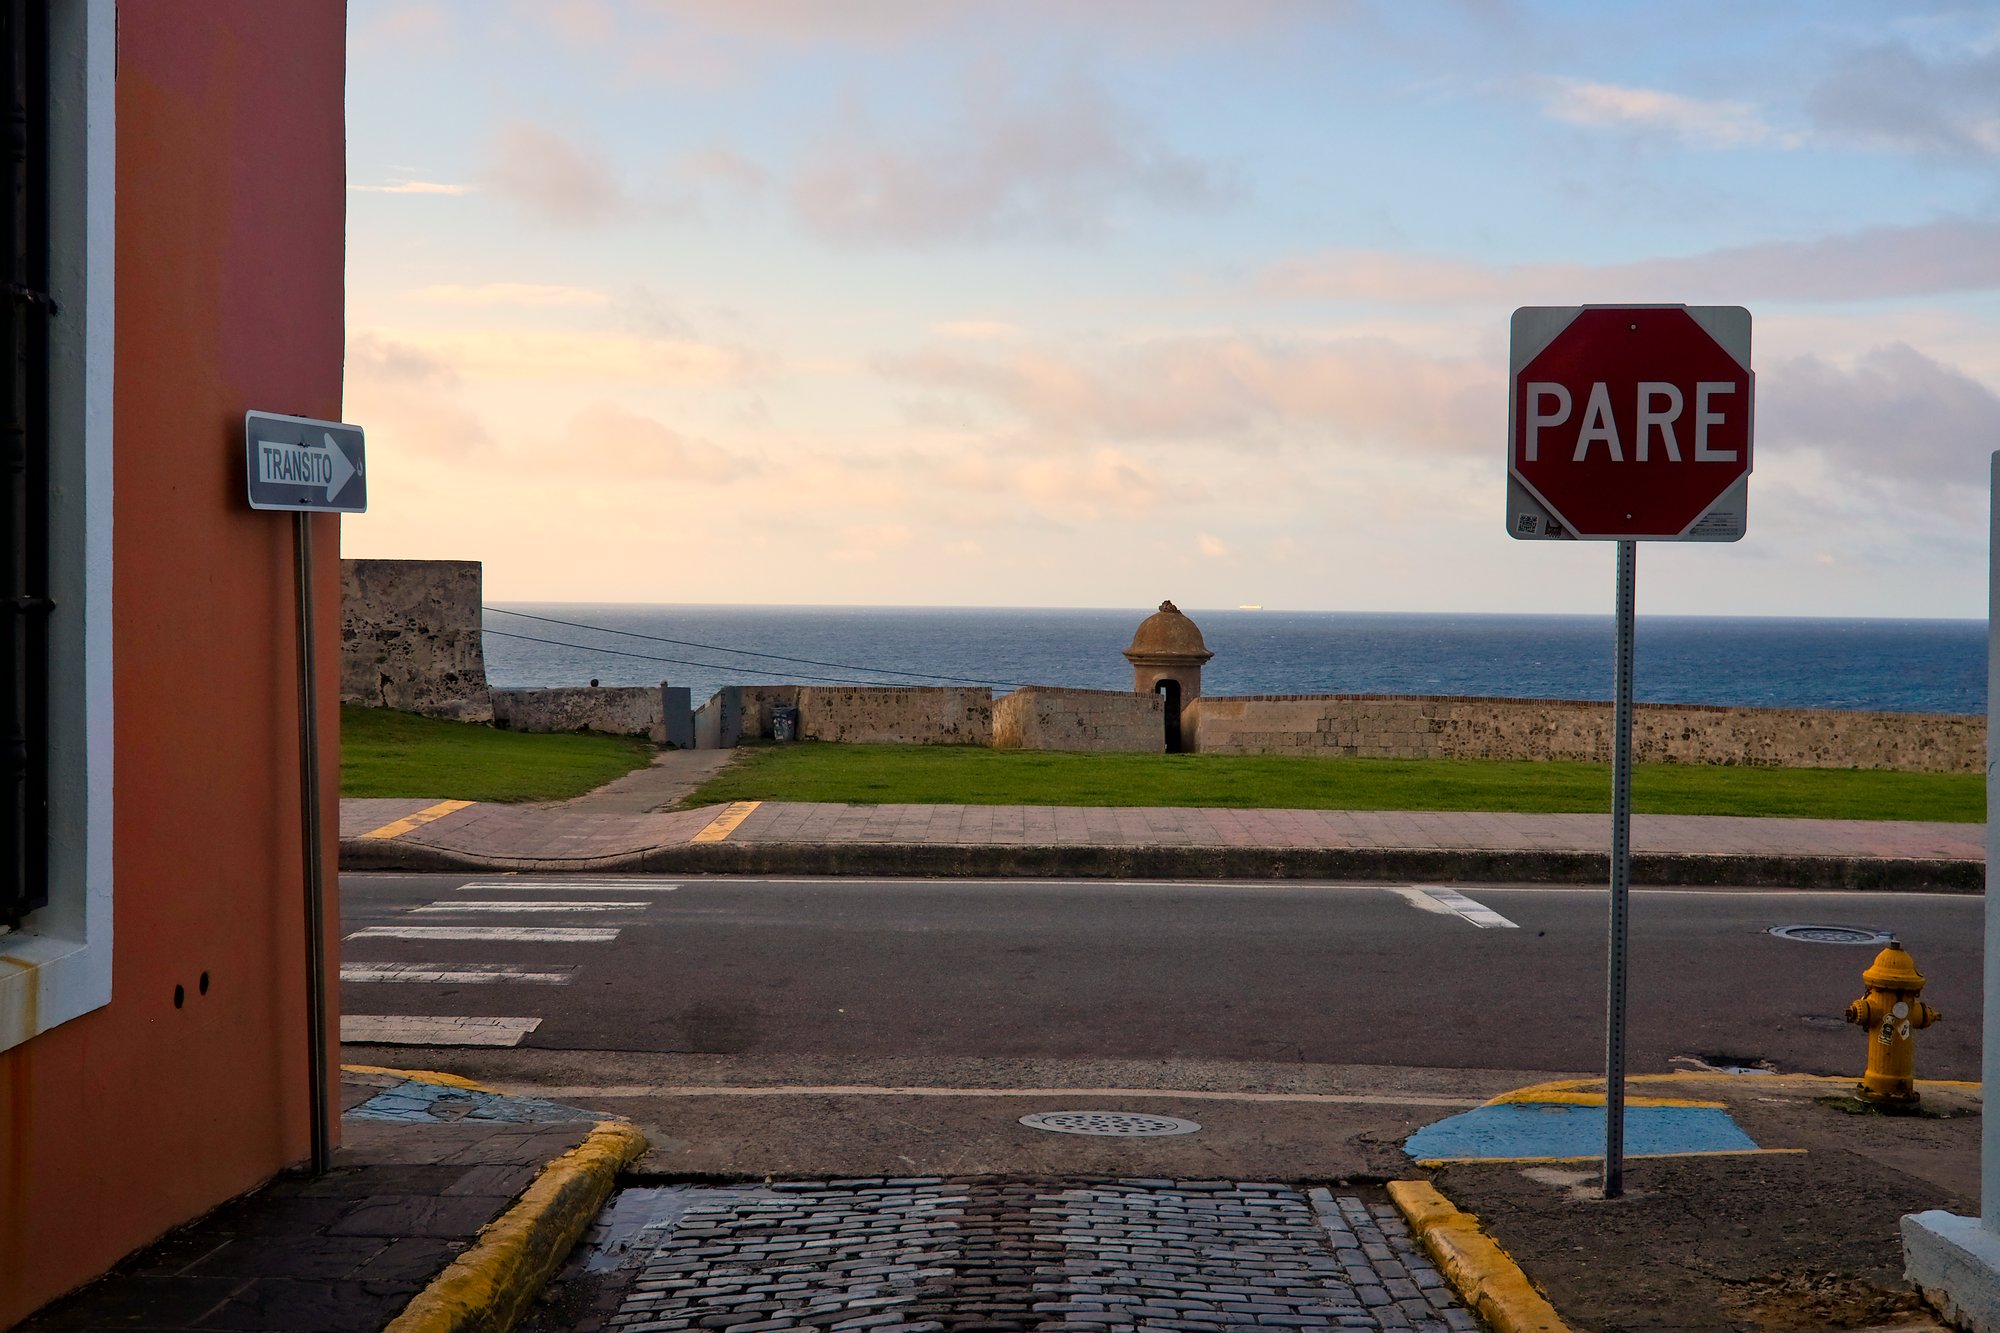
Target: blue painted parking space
<point x="1545" y="1129"/>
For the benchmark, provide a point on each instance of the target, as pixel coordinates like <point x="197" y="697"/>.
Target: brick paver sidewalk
<point x="932" y="1255"/>
<point x="421" y="1168"/>
<point x="839" y="838"/>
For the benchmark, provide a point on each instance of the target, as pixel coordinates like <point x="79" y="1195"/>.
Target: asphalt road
<point x="770" y="971"/>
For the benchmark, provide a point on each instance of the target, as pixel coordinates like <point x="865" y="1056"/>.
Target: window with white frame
<point x="56" y="224"/>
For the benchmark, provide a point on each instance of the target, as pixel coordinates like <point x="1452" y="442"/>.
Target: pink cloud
<point x="553" y="177"/>
<point x="1009" y="161"/>
<point x="409" y="401"/>
<point x="1137" y="23"/>
<point x="1924" y="259"/>
<point x="1893" y="96"/>
<point x="1895" y="414"/>
<point x="1710" y="122"/>
<point x="613" y="445"/>
<point x="1356" y="390"/>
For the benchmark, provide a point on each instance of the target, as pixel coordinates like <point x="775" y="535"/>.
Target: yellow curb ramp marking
<point x="726" y="823"/>
<point x="422" y="1076"/>
<point x="490" y="1286"/>
<point x="1531" y="1097"/>
<point x="417" y="820"/>
<point x="1559" y="1090"/>
<point x="1486" y="1278"/>
<point x="1432" y="1163"/>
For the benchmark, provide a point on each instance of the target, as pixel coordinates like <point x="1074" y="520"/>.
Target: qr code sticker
<point x="1527" y="523"/>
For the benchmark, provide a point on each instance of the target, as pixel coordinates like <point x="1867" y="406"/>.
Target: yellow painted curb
<point x="488" y="1288"/>
<point x="1554" y="1088"/>
<point x="1559" y="1097"/>
<point x="719" y="828"/>
<point x="417" y="820"/>
<point x="422" y="1076"/>
<point x="1482" y="1273"/>
<point x="1432" y="1163"/>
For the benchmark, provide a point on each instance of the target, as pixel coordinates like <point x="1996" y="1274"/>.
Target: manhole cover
<point x="1131" y="1124"/>
<point x="1832" y="934"/>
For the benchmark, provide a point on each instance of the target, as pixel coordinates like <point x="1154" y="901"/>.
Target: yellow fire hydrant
<point x="1890" y="1011"/>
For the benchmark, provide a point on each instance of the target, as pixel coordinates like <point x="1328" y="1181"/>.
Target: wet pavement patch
<point x="429" y="1103"/>
<point x="1514" y="1130"/>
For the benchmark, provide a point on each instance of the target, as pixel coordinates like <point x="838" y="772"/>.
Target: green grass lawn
<point x="920" y="774"/>
<point x="385" y="753"/>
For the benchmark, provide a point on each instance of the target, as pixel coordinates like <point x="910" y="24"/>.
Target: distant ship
<point x="1249" y="606"/>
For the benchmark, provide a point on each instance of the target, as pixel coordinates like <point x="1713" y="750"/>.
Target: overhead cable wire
<point x="746" y="652"/>
<point x="677" y="661"/>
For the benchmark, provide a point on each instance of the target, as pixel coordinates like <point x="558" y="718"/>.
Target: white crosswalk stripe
<point x="515" y="934"/>
<point x="566" y="886"/>
<point x="457" y="974"/>
<point x="435" y="1030"/>
<point x="1453" y="903"/>
<point x="533" y="905"/>
<point x="469" y="1030"/>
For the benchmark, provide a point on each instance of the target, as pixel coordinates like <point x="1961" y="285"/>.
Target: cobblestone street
<point x="927" y="1255"/>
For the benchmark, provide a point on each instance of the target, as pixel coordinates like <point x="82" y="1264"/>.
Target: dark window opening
<point x="1172" y="690"/>
<point x="24" y="454"/>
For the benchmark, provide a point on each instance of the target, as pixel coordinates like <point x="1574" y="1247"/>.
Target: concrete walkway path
<point x="794" y="838"/>
<point x="666" y="782"/>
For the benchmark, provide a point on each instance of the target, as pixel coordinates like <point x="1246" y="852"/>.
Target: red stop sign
<point x="1630" y="422"/>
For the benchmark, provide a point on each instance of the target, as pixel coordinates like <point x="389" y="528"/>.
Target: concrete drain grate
<point x="1127" y="1124"/>
<point x="1832" y="934"/>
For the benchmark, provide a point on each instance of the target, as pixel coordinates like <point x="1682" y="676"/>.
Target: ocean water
<point x="1912" y="666"/>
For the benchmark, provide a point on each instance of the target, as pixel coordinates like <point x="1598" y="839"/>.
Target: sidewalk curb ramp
<point x="1484" y="1275"/>
<point x="961" y="860"/>
<point x="488" y="1288"/>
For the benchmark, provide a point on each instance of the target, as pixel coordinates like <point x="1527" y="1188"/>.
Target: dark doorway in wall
<point x="1172" y="689"/>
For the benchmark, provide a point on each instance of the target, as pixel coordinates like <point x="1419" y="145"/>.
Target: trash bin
<point x="784" y="724"/>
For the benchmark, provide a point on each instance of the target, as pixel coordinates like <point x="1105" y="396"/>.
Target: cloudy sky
<point x="1095" y="302"/>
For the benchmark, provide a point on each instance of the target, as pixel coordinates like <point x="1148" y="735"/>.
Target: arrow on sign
<point x="318" y="465"/>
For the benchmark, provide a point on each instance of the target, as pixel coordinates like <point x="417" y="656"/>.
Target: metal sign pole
<point x="310" y="836"/>
<point x="1621" y="877"/>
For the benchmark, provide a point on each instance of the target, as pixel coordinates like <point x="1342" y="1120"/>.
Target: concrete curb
<point x="1486" y="1278"/>
<point x="488" y="1288"/>
<point x="1196" y="863"/>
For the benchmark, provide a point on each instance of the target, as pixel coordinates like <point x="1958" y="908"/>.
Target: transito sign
<point x="301" y="463"/>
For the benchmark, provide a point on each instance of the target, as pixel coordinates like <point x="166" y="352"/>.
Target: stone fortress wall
<point x="896" y="714"/>
<point x="1377" y="726"/>
<point x="855" y="714"/>
<point x="617" y="710"/>
<point x="410" y="638"/>
<point x="1359" y="726"/>
<point x="410" y="632"/>
<point x="1041" y="717"/>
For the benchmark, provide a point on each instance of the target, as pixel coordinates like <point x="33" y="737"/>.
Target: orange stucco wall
<point x="121" y="1124"/>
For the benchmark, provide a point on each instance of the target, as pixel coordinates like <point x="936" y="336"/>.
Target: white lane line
<point x="583" y="1092"/>
<point x="567" y="885"/>
<point x="517" y="934"/>
<point x="531" y="905"/>
<point x="435" y="1030"/>
<point x="456" y="974"/>
<point x="1452" y="903"/>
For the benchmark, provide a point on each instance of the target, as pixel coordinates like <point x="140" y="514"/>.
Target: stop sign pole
<point x="1627" y="424"/>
